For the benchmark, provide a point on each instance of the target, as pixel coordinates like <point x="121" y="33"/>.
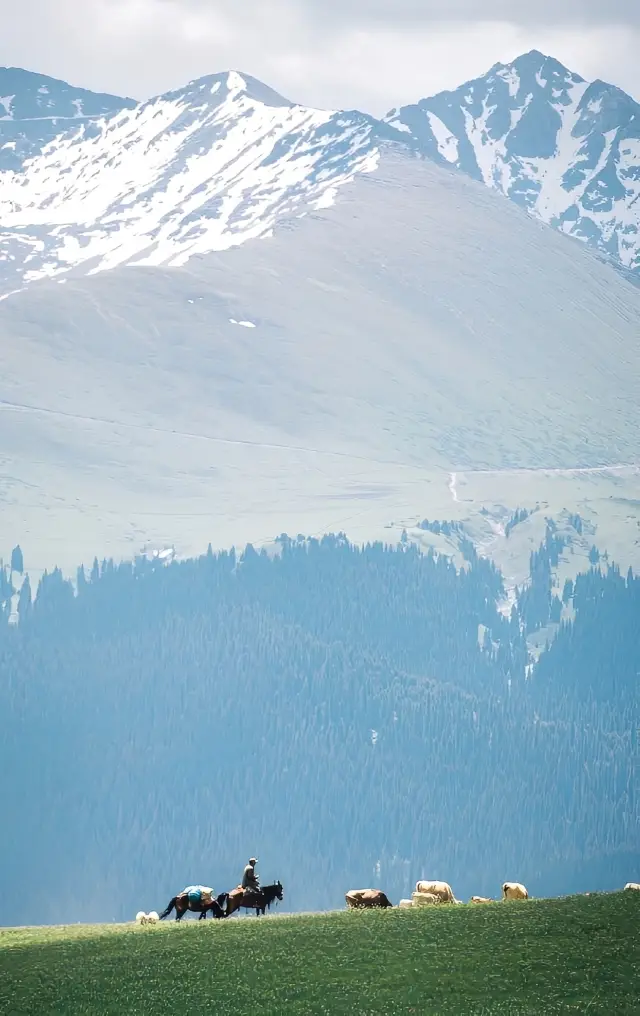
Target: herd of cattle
<point x="429" y="893"/>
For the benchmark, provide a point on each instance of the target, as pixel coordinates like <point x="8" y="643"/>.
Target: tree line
<point x="352" y="715"/>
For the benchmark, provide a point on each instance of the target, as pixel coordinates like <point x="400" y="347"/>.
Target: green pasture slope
<point x="571" y="955"/>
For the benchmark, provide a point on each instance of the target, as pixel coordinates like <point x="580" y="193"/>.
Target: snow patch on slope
<point x="564" y="148"/>
<point x="188" y="173"/>
<point x="446" y="141"/>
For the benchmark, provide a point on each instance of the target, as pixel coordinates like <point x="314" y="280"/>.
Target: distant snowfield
<point x="420" y="327"/>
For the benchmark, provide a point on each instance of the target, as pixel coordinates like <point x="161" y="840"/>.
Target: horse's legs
<point x="169" y="908"/>
<point x="203" y="915"/>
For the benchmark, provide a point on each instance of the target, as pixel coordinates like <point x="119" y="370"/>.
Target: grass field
<point x="571" y="955"/>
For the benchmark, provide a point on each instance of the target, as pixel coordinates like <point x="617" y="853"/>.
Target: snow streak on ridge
<point x="187" y="173"/>
<point x="224" y="159"/>
<point x="566" y="149"/>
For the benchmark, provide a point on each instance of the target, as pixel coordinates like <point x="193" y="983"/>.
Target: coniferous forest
<point x="352" y="716"/>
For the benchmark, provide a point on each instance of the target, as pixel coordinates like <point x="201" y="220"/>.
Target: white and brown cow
<point x="359" y="899"/>
<point x="514" y="891"/>
<point x="442" y="890"/>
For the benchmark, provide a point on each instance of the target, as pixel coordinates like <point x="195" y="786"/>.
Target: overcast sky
<point x="371" y="54"/>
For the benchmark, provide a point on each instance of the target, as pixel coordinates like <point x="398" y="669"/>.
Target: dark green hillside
<point x="575" y="955"/>
<point x="353" y="716"/>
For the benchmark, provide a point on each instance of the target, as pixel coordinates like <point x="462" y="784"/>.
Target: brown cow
<point x="359" y="899"/>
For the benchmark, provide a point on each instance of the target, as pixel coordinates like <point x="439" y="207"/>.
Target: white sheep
<point x="142" y="918"/>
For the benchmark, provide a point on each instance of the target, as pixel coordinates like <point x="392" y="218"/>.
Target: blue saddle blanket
<point x="198" y="893"/>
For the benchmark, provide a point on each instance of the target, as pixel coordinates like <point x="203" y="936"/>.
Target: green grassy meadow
<point x="570" y="955"/>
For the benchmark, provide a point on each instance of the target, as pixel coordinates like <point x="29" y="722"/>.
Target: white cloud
<point x="338" y="53"/>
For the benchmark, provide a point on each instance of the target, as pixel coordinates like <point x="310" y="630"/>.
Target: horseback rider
<point x="250" y="881"/>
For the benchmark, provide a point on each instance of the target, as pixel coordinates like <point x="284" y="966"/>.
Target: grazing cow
<point x="481" y="899"/>
<point x="359" y="899"/>
<point x="424" y="899"/>
<point x="442" y="890"/>
<point x="514" y="891"/>
<point x="633" y="885"/>
<point x="405" y="904"/>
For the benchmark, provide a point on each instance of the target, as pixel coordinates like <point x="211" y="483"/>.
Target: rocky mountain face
<point x="566" y="149"/>
<point x="35" y="109"/>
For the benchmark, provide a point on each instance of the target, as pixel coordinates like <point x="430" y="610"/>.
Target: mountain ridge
<point x="37" y="108"/>
<point x="329" y="377"/>
<point x="198" y="169"/>
<point x="226" y="158"/>
<point x="383" y="335"/>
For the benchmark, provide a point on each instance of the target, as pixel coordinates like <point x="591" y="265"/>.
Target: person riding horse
<point x="250" y="881"/>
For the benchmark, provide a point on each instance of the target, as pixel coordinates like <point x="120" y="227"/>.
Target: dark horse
<point x="185" y="901"/>
<point x="254" y="899"/>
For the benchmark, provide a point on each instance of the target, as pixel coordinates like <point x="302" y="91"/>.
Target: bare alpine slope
<point x="422" y="324"/>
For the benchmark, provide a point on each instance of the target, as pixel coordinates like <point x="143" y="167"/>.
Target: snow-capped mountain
<point x="407" y="344"/>
<point x="200" y="169"/>
<point x="349" y="372"/>
<point x="226" y="158"/>
<point x="566" y="149"/>
<point x="34" y="109"/>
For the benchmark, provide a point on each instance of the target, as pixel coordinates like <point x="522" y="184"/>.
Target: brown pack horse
<point x="361" y="899"/>
<point x="185" y="901"/>
<point x="258" y="900"/>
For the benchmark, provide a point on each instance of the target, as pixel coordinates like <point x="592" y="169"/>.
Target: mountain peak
<point x="564" y="149"/>
<point x="536" y="66"/>
<point x="212" y="89"/>
<point x="534" y="58"/>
